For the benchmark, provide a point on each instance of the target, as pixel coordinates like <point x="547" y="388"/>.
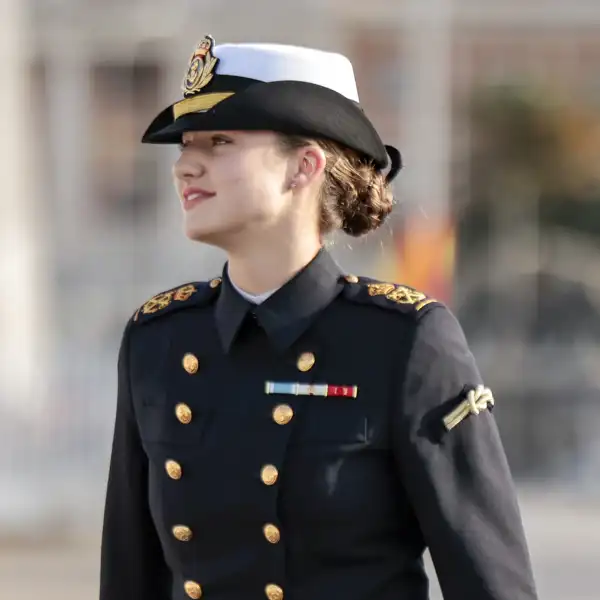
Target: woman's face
<point x="232" y="182"/>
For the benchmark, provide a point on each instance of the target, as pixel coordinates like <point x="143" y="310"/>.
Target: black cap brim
<point x="288" y="107"/>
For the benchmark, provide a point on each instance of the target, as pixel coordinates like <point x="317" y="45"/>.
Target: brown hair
<point x="355" y="196"/>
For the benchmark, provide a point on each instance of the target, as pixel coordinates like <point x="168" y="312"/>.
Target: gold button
<point x="306" y="361"/>
<point x="283" y="414"/>
<point x="351" y="278"/>
<point x="183" y="413"/>
<point x="269" y="474"/>
<point x="173" y="469"/>
<point x="190" y="363"/>
<point x="273" y="592"/>
<point x="215" y="283"/>
<point x="182" y="533"/>
<point x="193" y="589"/>
<point x="271" y="533"/>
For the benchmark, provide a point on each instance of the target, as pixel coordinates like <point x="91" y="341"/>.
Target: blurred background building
<point x="496" y="107"/>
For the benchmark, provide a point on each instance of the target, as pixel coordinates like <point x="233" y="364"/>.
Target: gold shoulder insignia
<point x="400" y="294"/>
<point x="168" y="299"/>
<point x="477" y="400"/>
<point x="381" y="293"/>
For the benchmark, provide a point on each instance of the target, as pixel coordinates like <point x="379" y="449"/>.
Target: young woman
<point x="286" y="430"/>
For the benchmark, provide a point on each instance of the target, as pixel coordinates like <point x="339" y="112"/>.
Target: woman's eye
<point x="216" y="140"/>
<point x="219" y="140"/>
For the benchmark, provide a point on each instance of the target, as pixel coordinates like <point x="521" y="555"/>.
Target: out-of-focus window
<point x="123" y="176"/>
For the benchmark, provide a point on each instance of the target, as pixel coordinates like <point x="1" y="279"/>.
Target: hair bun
<point x="367" y="202"/>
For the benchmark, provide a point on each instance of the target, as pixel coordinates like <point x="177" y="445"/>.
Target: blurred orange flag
<point x="426" y="256"/>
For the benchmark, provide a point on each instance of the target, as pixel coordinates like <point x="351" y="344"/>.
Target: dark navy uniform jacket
<point x="234" y="477"/>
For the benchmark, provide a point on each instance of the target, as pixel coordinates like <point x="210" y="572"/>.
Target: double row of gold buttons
<point x="282" y="414"/>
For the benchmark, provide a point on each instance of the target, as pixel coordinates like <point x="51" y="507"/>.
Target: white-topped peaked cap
<point x="272" y="87"/>
<point x="278" y="62"/>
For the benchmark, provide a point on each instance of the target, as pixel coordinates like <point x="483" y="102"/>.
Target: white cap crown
<point x="277" y="62"/>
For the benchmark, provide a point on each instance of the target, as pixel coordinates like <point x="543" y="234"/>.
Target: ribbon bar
<point x="311" y="389"/>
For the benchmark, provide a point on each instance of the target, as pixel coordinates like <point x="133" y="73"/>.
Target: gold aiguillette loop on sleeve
<point x="477" y="400"/>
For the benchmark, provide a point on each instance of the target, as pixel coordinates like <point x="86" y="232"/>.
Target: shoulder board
<point x="198" y="293"/>
<point x="392" y="296"/>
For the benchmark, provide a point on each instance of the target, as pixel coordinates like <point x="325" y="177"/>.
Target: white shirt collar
<point x="254" y="298"/>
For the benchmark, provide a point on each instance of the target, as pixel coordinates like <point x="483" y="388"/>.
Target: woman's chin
<point x="205" y="234"/>
<point x="220" y="233"/>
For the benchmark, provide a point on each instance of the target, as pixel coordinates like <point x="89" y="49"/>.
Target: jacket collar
<point x="286" y="314"/>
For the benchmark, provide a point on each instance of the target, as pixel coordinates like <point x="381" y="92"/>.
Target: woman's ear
<point x="311" y="165"/>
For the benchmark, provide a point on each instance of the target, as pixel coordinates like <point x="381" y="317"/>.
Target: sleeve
<point x="132" y="564"/>
<point x="458" y="481"/>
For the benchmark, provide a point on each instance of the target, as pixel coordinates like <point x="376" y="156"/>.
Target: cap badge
<point x="200" y="68"/>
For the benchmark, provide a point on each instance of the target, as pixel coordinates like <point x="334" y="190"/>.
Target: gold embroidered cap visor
<point x="199" y="103"/>
<point x="269" y="87"/>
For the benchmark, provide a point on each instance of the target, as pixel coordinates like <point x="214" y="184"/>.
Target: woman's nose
<point x="186" y="168"/>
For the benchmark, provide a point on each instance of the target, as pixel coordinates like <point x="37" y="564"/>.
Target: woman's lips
<point x="192" y="196"/>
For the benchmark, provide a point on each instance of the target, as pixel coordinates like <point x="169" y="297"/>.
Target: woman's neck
<point x="263" y="268"/>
